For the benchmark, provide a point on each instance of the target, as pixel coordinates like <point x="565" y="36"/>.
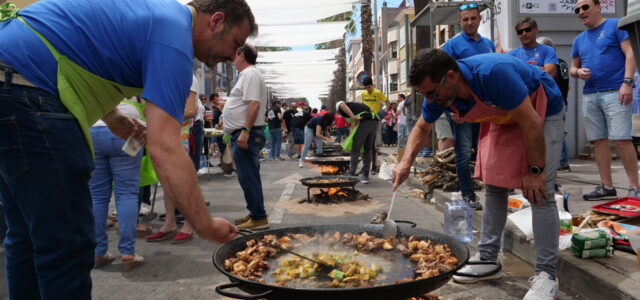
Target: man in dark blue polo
<point x="466" y="44"/>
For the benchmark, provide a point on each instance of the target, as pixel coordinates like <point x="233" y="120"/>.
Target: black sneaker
<point x="601" y="193"/>
<point x="472" y="201"/>
<point x="564" y="168"/>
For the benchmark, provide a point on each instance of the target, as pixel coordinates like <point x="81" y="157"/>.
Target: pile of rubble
<point x="441" y="174"/>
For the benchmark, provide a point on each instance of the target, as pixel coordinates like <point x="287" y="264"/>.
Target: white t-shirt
<point x="200" y="113"/>
<point x="250" y="87"/>
<point x="402" y="117"/>
<point x="126" y="108"/>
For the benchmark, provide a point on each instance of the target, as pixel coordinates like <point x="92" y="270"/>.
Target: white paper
<point x="523" y="220"/>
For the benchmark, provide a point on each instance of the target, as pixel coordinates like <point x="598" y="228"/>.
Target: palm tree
<point x="367" y="37"/>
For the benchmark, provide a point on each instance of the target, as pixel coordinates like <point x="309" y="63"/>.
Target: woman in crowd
<point x="390" y="121"/>
<point x="116" y="171"/>
<point x="314" y="131"/>
<point x="169" y="228"/>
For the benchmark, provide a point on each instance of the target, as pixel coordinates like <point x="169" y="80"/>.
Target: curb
<point x="587" y="278"/>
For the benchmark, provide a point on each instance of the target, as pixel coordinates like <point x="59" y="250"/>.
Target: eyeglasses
<point x="468" y="6"/>
<point x="526" y="29"/>
<point x="432" y="94"/>
<point x="584" y="7"/>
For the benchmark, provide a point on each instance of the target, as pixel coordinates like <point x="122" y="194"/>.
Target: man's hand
<point x="456" y="118"/>
<point x="626" y="94"/>
<point x="533" y="188"/>
<point x="124" y="126"/>
<point x="220" y="231"/>
<point x="584" y="73"/>
<point x="400" y="174"/>
<point x="243" y="140"/>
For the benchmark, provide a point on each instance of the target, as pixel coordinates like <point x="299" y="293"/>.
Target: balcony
<point x="393" y="66"/>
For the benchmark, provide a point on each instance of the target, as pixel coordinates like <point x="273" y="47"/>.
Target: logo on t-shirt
<point x="601" y="35"/>
<point x="271" y="115"/>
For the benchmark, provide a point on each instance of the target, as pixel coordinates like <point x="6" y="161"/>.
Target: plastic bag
<point x="227" y="160"/>
<point x="386" y="170"/>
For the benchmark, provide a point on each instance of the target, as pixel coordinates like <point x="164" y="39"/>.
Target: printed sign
<point x="560" y="6"/>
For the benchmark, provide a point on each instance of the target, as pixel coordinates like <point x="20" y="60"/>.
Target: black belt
<point x="252" y="128"/>
<point x="9" y="77"/>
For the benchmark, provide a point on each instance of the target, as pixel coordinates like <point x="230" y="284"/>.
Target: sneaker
<point x="472" y="201"/>
<point x="230" y="174"/>
<point x="300" y="164"/>
<point x="364" y="180"/>
<point x="255" y="224"/>
<point x="542" y="287"/>
<point x="242" y="220"/>
<point x="564" y="168"/>
<point x="478" y="269"/>
<point x="374" y="171"/>
<point x="145" y="209"/>
<point x="601" y="193"/>
<point x="280" y="158"/>
<point x="634" y="192"/>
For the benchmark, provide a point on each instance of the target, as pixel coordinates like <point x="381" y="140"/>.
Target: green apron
<point x="148" y="174"/>
<point x="86" y="95"/>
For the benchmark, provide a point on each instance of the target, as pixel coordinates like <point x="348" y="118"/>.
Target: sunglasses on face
<point x="468" y="6"/>
<point x="527" y="29"/>
<point x="584" y="7"/>
<point x="432" y="94"/>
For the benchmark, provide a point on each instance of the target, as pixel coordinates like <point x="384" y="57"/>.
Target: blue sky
<point x="390" y="3"/>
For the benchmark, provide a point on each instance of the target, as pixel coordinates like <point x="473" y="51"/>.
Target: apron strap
<point x="53" y="49"/>
<point x="8" y="11"/>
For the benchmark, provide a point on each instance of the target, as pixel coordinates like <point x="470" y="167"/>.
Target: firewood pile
<point x="441" y="174"/>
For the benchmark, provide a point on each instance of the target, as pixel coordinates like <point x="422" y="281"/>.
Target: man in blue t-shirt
<point x="531" y="52"/>
<point x="146" y="45"/>
<point x="603" y="58"/>
<point x="516" y="149"/>
<point x="466" y="44"/>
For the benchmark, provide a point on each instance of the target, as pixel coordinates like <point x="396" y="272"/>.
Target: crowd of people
<point x="65" y="126"/>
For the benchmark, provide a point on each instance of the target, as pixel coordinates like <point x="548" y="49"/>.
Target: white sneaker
<point x="477" y="269"/>
<point x="300" y="164"/>
<point x="145" y="209"/>
<point x="542" y="287"/>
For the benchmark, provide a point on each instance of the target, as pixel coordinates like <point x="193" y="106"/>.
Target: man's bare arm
<point x="177" y="174"/>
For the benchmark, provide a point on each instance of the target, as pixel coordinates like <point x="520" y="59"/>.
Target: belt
<point x="605" y="91"/>
<point x="9" y="77"/>
<point x="252" y="128"/>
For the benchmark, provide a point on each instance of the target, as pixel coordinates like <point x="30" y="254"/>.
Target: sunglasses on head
<point x="584" y="7"/>
<point x="526" y="29"/>
<point x="468" y="6"/>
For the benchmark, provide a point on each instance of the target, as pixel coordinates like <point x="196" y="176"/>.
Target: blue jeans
<point x="466" y="135"/>
<point x="340" y="132"/>
<point x="605" y="117"/>
<point x="310" y="136"/>
<point x="275" y="142"/>
<point x="248" y="170"/>
<point x="564" y="157"/>
<point x="45" y="166"/>
<point x="118" y="172"/>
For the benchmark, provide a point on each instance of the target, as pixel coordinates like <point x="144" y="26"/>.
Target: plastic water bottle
<point x="458" y="219"/>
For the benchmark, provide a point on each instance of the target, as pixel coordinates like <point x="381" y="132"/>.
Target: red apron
<point x="502" y="159"/>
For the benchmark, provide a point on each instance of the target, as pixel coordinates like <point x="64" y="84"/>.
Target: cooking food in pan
<point x="360" y="260"/>
<point x="333" y="180"/>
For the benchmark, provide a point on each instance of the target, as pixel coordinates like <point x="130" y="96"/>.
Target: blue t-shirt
<point x="143" y="44"/>
<point x="316" y="121"/>
<point x="463" y="46"/>
<point x="501" y="81"/>
<point x="599" y="50"/>
<point x="541" y="54"/>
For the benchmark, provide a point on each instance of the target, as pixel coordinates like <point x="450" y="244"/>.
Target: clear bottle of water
<point x="458" y="219"/>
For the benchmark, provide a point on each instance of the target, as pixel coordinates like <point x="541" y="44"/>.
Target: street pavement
<point x="185" y="271"/>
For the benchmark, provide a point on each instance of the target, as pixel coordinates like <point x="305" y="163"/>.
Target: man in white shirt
<point x="244" y="120"/>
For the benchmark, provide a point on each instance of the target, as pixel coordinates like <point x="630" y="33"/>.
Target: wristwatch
<point x="536" y="170"/>
<point x="245" y="129"/>
<point x="628" y="81"/>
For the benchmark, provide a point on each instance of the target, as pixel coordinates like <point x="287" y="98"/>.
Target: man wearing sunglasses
<point x="466" y="44"/>
<point x="531" y="52"/>
<point x="603" y="58"/>
<point x="520" y="108"/>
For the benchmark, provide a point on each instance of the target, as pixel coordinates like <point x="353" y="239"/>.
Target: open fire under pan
<point x="327" y="182"/>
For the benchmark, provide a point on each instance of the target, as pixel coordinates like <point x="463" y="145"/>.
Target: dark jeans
<point x="45" y="166"/>
<point x="3" y="224"/>
<point x="391" y="135"/>
<point x="248" y="170"/>
<point x="365" y="136"/>
<point x="198" y="138"/>
<point x="466" y="135"/>
<point x="275" y="142"/>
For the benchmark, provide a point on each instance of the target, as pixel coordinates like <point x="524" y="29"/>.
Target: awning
<point x="444" y="13"/>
